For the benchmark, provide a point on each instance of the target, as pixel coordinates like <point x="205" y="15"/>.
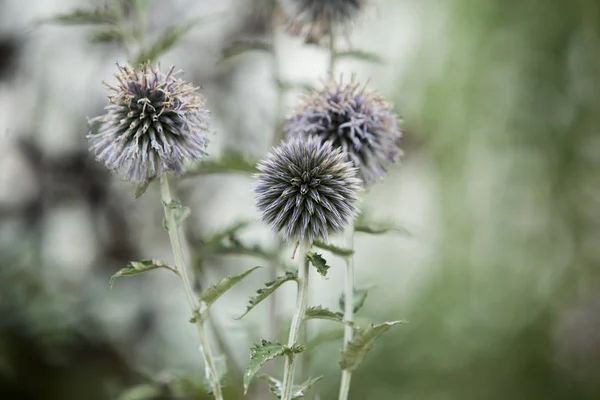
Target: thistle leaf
<point x="165" y="42"/>
<point x="362" y="343"/>
<point x="221" y="369"/>
<point x="213" y="293"/>
<point x="319" y="312"/>
<point x="241" y="47"/>
<point x="338" y="251"/>
<point x="298" y="391"/>
<point x="318" y="262"/>
<point x="180" y="213"/>
<point x="260" y="354"/>
<point x="138" y="267"/>
<point x="269" y="288"/>
<point x="141" y="188"/>
<point x="229" y="163"/>
<point x="360" y="295"/>
<point x="377" y="228"/>
<point x="107" y="35"/>
<point x="82" y="16"/>
<point x="360" y="55"/>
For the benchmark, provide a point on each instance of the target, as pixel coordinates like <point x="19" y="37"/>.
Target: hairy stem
<point x="348" y="307"/>
<point x="301" y="303"/>
<point x="198" y="314"/>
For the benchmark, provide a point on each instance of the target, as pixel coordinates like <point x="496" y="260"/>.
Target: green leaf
<point x="241" y="47"/>
<point x="215" y="291"/>
<point x="377" y="228"/>
<point x="146" y="391"/>
<point x="360" y="55"/>
<point x="82" y="16"/>
<point x="221" y="368"/>
<point x="319" y="312"/>
<point x="338" y="251"/>
<point x="298" y="391"/>
<point x="107" y="35"/>
<point x="318" y="262"/>
<point x="138" y="267"/>
<point x="360" y="295"/>
<point x="141" y="188"/>
<point x="362" y="343"/>
<point x="180" y="213"/>
<point x="231" y="162"/>
<point x="269" y="288"/>
<point x="165" y="42"/>
<point x="260" y="354"/>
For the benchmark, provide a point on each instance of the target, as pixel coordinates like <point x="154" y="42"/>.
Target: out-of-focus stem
<point x="348" y="307"/>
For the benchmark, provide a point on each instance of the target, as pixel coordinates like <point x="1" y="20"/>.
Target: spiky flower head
<point x="361" y="123"/>
<point x="153" y="124"/>
<point x="306" y="189"/>
<point x="315" y="18"/>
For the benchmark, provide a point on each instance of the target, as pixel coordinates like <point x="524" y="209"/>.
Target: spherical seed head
<point x="318" y="16"/>
<point x="153" y="124"/>
<point x="362" y="124"/>
<point x="306" y="189"/>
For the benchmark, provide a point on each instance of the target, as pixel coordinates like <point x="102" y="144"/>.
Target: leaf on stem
<point x="362" y="343"/>
<point x="141" y="188"/>
<point x="180" y="213"/>
<point x="81" y="16"/>
<point x="269" y="288"/>
<point x="165" y="42"/>
<point x="107" y="35"/>
<point x="318" y="262"/>
<point x="360" y="295"/>
<point x="360" y="55"/>
<point x="319" y="312"/>
<point x="378" y="228"/>
<point x="138" y="267"/>
<point x="298" y="391"/>
<point x="338" y="251"/>
<point x="213" y="293"/>
<point x="261" y="353"/>
<point x="240" y="47"/>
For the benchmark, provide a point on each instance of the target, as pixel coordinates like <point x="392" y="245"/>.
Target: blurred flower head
<point x="362" y="124"/>
<point x="154" y="122"/>
<point x="315" y="18"/>
<point x="306" y="189"/>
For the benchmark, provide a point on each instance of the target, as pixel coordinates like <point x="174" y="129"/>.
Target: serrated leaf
<point x="319" y="312"/>
<point x="318" y="262"/>
<point x="362" y="343"/>
<point x="138" y="267"/>
<point x="359" y="297"/>
<point x="286" y="86"/>
<point x="213" y="293"/>
<point x="298" y="391"/>
<point x="361" y="56"/>
<point x="141" y="188"/>
<point x="269" y="288"/>
<point x="377" y="228"/>
<point x="82" y="16"/>
<point x="229" y="163"/>
<point x="107" y="35"/>
<point x="338" y="251"/>
<point x="141" y="392"/>
<point x="260" y="354"/>
<point x="165" y="42"/>
<point x="241" y="47"/>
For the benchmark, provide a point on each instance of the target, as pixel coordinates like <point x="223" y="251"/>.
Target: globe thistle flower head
<point x="306" y="189"/>
<point x="362" y="124"/>
<point x="153" y="124"/>
<point x="315" y="18"/>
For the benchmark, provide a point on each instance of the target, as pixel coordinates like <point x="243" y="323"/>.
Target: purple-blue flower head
<point x="361" y="123"/>
<point x="306" y="189"/>
<point x="153" y="124"/>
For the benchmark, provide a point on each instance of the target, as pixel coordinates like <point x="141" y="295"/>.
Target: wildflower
<point x="154" y="122"/>
<point x="306" y="189"/>
<point x="319" y="16"/>
<point x="362" y="124"/>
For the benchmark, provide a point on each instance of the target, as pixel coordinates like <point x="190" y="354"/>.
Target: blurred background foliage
<point x="499" y="189"/>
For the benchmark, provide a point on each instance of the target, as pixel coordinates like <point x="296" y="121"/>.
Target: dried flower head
<point x="315" y="18"/>
<point x="306" y="189"/>
<point x="154" y="122"/>
<point x="362" y="124"/>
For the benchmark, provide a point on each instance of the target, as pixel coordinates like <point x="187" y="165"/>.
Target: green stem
<point x="299" y="312"/>
<point x="198" y="314"/>
<point x="348" y="308"/>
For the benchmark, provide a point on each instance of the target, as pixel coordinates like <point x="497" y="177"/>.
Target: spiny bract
<point x="362" y="124"/>
<point x="306" y="189"/>
<point x="154" y="122"/>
